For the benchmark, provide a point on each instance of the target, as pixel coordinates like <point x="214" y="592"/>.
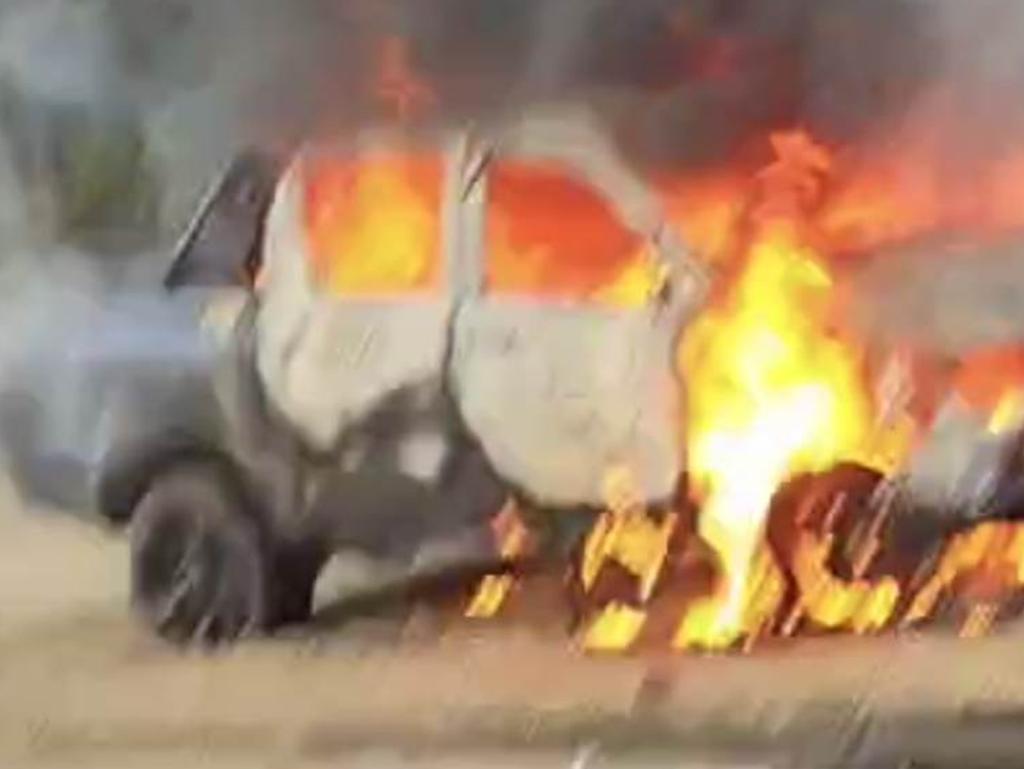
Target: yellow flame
<point x="626" y="534"/>
<point x="373" y="223"/>
<point x="831" y="603"/>
<point x="512" y="538"/>
<point x="638" y="543"/>
<point x="1008" y="412"/>
<point x="761" y="594"/>
<point x="490" y="596"/>
<point x="615" y="628"/>
<point x="635" y="284"/>
<point x="770" y="393"/>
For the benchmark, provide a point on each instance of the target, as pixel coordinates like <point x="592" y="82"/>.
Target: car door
<point x="559" y="373"/>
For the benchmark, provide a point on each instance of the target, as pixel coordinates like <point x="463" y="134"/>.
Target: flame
<point x="991" y="381"/>
<point x="774" y="384"/>
<point x="770" y="391"/>
<point x="373" y="223"/>
<point x="512" y="538"/>
<point x="627" y="534"/>
<point x="775" y="388"/>
<point x="913" y="180"/>
<point x="992" y="551"/>
<point x="551" y="235"/>
<point x="708" y="208"/>
<point x="919" y="179"/>
<point x="1008" y="413"/>
<point x="774" y="392"/>
<point x="760" y="596"/>
<point x="831" y="603"/>
<point x="616" y="628"/>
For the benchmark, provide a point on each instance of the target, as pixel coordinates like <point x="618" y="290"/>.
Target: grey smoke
<point x="200" y="79"/>
<point x="205" y="76"/>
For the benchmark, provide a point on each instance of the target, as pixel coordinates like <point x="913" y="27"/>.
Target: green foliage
<point x="104" y="185"/>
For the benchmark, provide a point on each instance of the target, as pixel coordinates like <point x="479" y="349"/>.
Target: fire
<point x="512" y="539"/>
<point x="989" y="558"/>
<point x="917" y="182"/>
<point x="831" y="603"/>
<point x="617" y="627"/>
<point x="551" y="235"/>
<point x="708" y="208"/>
<point x="992" y="382"/>
<point x="773" y="392"/>
<point x="770" y="391"/>
<point x="373" y="224"/>
<point x="775" y="386"/>
<point x="1008" y="413"/>
<point x="626" y="534"/>
<point x="775" y="389"/>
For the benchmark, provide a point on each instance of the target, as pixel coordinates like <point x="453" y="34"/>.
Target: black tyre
<point x="295" y="570"/>
<point x="199" y="561"/>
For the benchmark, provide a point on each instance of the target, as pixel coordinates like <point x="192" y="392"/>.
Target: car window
<point x="551" y="234"/>
<point x="373" y="222"/>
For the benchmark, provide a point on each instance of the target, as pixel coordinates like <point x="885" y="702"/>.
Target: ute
<point x="245" y="420"/>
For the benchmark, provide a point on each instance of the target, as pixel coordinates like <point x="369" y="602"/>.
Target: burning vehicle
<point x="398" y="343"/>
<point x="292" y="392"/>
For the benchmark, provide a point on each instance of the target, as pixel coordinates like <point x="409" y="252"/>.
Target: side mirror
<point x="221" y="246"/>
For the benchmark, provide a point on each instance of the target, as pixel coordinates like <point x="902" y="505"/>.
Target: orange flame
<point x="708" y="208"/>
<point x="916" y="182"/>
<point x="991" y="553"/>
<point x="551" y="235"/>
<point x="772" y="392"/>
<point x="373" y="224"/>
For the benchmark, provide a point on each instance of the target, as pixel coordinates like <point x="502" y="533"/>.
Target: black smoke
<point x="677" y="81"/>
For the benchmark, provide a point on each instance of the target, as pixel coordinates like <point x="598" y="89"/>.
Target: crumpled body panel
<point x="558" y="395"/>
<point x="555" y="392"/>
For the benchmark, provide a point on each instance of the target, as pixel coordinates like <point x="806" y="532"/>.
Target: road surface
<point x="82" y="686"/>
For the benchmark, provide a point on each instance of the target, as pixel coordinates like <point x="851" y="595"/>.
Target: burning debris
<point x="824" y="503"/>
<point x="824" y="492"/>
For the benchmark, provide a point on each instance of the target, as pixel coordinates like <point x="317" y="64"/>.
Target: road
<point x="81" y="685"/>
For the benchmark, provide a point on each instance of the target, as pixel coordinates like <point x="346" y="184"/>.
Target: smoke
<point x="116" y="115"/>
<point x="204" y="77"/>
<point x="956" y="139"/>
<point x="195" y="81"/>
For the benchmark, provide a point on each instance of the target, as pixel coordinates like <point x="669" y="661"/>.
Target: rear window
<point x="373" y="222"/>
<point x="549" y="234"/>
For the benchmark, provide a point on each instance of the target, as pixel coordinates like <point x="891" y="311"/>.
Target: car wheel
<point x="199" y="565"/>
<point x="296" y="569"/>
